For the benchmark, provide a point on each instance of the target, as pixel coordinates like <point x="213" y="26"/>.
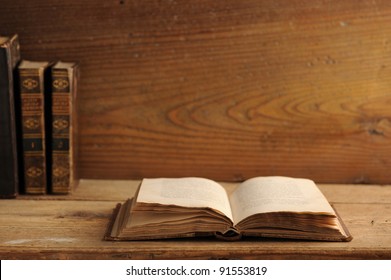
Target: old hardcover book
<point x="9" y="175"/>
<point x="64" y="127"/>
<point x="279" y="207"/>
<point x="33" y="79"/>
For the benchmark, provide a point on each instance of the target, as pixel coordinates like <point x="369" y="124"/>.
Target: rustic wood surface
<point x="72" y="227"/>
<point x="222" y="89"/>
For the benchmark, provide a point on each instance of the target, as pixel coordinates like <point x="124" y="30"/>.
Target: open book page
<point x="276" y="194"/>
<point x="186" y="192"/>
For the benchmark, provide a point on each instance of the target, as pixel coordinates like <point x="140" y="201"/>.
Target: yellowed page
<point x="148" y="218"/>
<point x="186" y="192"/>
<point x="275" y="194"/>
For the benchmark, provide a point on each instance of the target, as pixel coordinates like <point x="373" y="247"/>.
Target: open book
<point x="278" y="207"/>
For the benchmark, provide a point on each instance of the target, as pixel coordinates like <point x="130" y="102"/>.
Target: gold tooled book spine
<point x="33" y="129"/>
<point x="63" y="126"/>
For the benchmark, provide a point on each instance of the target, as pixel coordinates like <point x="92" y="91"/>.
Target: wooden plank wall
<point x="224" y="89"/>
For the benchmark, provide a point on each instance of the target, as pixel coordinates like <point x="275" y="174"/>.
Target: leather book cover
<point x="112" y="221"/>
<point x="64" y="127"/>
<point x="9" y="166"/>
<point x="32" y="79"/>
<point x="111" y="233"/>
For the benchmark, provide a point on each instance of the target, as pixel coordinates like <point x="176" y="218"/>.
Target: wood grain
<point x="222" y="89"/>
<point x="72" y="227"/>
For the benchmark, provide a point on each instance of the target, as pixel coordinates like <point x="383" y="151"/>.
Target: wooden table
<point x="72" y="227"/>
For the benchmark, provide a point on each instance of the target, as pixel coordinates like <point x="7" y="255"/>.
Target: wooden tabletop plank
<point x="73" y="228"/>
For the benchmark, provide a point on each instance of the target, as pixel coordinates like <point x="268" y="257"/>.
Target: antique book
<point x="279" y="207"/>
<point x="64" y="127"/>
<point x="33" y="82"/>
<point x="9" y="162"/>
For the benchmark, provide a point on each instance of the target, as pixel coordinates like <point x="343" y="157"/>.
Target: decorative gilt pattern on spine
<point x="63" y="85"/>
<point x="33" y="127"/>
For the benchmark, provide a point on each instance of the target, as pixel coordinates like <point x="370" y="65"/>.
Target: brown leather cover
<point x="110" y="225"/>
<point x="9" y="162"/>
<point x="33" y="90"/>
<point x="64" y="127"/>
<point x="230" y="235"/>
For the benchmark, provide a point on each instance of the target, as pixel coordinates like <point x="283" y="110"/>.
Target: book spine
<point x="33" y="129"/>
<point x="9" y="175"/>
<point x="62" y="131"/>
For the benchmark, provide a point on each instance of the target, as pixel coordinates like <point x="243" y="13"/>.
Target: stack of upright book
<point x="38" y="123"/>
